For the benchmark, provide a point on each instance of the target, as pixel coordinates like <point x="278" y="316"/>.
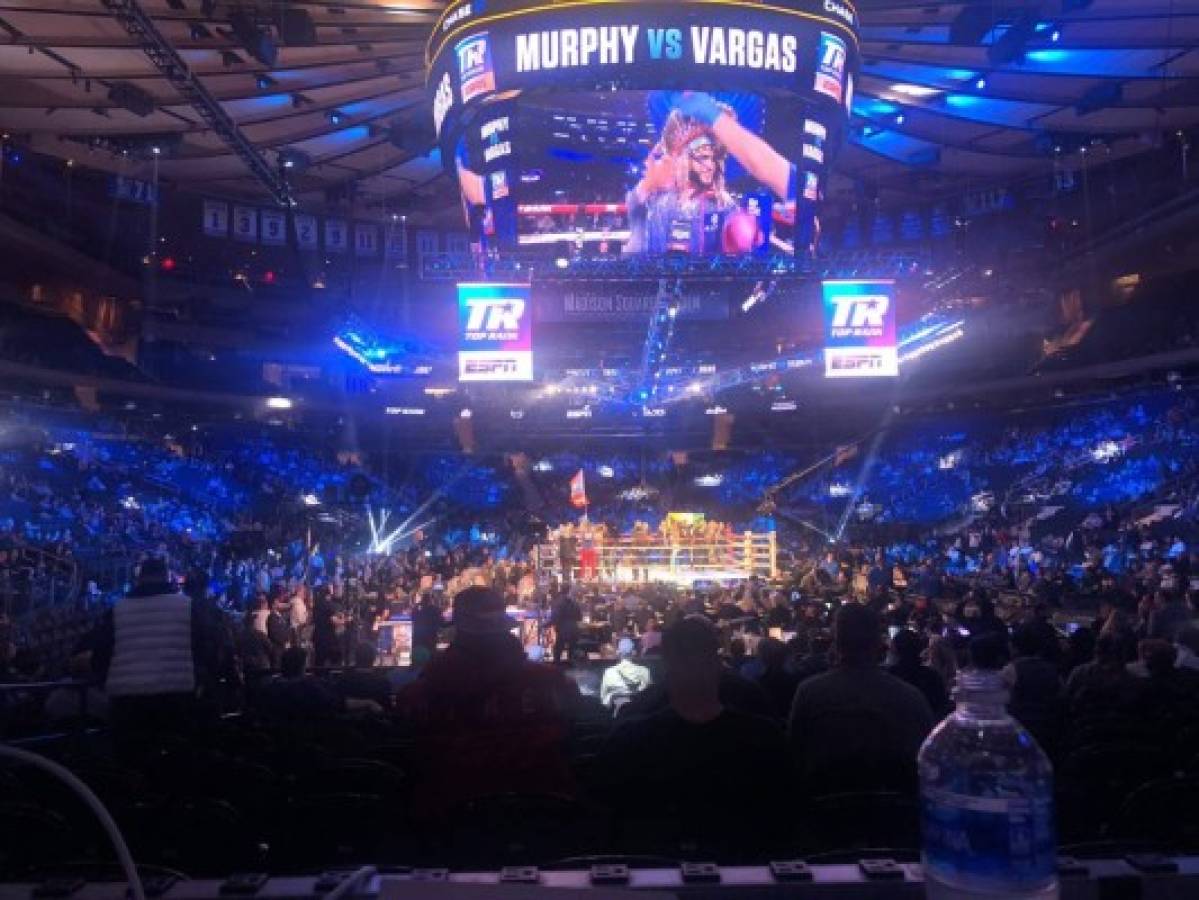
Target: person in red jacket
<point x="488" y="721"/>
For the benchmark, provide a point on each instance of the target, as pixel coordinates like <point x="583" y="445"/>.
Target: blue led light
<point x="961" y="101"/>
<point x="1047" y="56"/>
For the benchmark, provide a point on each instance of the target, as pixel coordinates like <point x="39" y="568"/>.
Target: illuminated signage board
<point x="859" y="329"/>
<point x="496" y="332"/>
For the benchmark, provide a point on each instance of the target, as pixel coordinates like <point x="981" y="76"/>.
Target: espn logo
<point x="490" y="367"/>
<point x="853" y="362"/>
<point x="863" y="363"/>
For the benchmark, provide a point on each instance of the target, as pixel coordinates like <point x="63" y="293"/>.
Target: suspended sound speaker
<point x="256" y="41"/>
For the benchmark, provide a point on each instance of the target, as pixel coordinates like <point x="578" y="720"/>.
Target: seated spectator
<point x="906" y="649"/>
<point x="1188" y="647"/>
<point x="816" y="661"/>
<point x="1171" y="615"/>
<point x="1170" y="694"/>
<point x="296" y="697"/>
<point x="364" y="682"/>
<point x="857" y="727"/>
<point x="489" y="720"/>
<point x="696" y="772"/>
<point x="651" y="638"/>
<point x="1035" y="687"/>
<point x="625" y="679"/>
<point x="1103" y="686"/>
<point x="776" y="678"/>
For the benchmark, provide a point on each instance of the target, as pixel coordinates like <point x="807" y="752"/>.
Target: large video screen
<point x="642" y="127"/>
<point x="634" y="173"/>
<point x="859" y="329"/>
<point x="495" y="332"/>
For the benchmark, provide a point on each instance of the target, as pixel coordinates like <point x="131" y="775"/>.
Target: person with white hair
<point x="626" y="678"/>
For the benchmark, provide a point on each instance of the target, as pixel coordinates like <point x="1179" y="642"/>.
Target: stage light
<point x="167" y="264"/>
<point x="278" y="403"/>
<point x="156" y="150"/>
<point x="900" y="119"/>
<point x="980" y="83"/>
<point x="265" y="81"/>
<point x="918" y="91"/>
<point x="1055" y="36"/>
<point x="335" y="116"/>
<point x="294" y="160"/>
<point x="562" y="262"/>
<point x="465" y="414"/>
<point x="268" y="277"/>
<point x="311" y="500"/>
<point x="606" y="472"/>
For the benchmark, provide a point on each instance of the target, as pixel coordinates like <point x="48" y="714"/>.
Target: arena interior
<point x="703" y="447"/>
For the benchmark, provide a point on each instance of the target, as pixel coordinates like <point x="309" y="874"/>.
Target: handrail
<point x="51" y="560"/>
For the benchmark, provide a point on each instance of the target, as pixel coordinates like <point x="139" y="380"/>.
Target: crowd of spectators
<point x="824" y="683"/>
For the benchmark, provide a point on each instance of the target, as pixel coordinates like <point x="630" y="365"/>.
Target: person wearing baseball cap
<point x="490" y="721"/>
<point x="720" y="779"/>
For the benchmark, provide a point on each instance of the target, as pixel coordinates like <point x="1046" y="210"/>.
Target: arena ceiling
<point x="952" y="95"/>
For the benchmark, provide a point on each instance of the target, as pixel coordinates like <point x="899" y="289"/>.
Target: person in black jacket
<point x="565" y="618"/>
<point x="426" y="624"/>
<point x="906" y="647"/>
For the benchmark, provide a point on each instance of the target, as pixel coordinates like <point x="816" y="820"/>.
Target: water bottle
<point x="986" y="801"/>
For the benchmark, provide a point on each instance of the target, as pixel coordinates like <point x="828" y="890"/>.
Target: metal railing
<point x="34" y="579"/>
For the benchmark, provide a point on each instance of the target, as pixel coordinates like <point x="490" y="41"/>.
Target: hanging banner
<point x="426" y="242"/>
<point x="134" y="190"/>
<point x="245" y="224"/>
<point x="274" y="227"/>
<point x="397" y="243"/>
<point x="305" y="225"/>
<point x="216" y="218"/>
<point x="335" y="236"/>
<point x="457" y="243"/>
<point x="366" y="239"/>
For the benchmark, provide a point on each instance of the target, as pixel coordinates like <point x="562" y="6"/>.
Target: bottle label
<point x="1003" y="842"/>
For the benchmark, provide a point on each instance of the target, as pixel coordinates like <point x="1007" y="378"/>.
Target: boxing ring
<point x="681" y="562"/>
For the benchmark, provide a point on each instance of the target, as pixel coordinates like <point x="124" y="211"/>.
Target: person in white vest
<point x="146" y="652"/>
